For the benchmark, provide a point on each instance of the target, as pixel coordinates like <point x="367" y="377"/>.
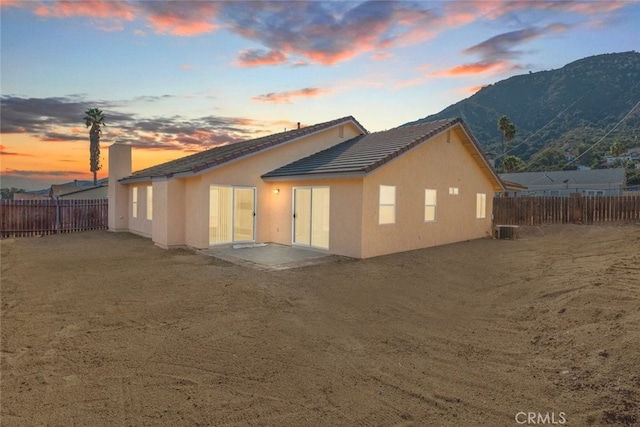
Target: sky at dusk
<point x="177" y="77"/>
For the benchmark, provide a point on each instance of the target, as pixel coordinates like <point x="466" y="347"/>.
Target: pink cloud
<point x="93" y="8"/>
<point x="470" y="69"/>
<point x="287" y="97"/>
<point x="184" y="18"/>
<point x="474" y="89"/>
<point x="179" y="27"/>
<point x="14" y="3"/>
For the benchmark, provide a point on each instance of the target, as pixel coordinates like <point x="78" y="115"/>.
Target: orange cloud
<point x="469" y="69"/>
<point x="93" y="8"/>
<point x="179" y="26"/>
<point x="182" y="18"/>
<point x="287" y="97"/>
<point x="472" y="90"/>
<point x="331" y="58"/>
<point x="15" y="3"/>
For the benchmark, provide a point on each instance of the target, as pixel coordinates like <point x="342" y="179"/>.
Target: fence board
<point x="533" y="210"/>
<point x="19" y="218"/>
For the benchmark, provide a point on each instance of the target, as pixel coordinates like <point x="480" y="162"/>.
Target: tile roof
<point x="220" y="155"/>
<point x="365" y="153"/>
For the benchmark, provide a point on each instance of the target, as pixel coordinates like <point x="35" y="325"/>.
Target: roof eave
<point x="315" y="176"/>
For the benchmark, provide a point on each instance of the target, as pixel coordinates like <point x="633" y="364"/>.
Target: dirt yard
<point x="107" y="329"/>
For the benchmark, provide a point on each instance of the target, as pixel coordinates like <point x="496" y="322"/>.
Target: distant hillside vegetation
<point x="564" y="110"/>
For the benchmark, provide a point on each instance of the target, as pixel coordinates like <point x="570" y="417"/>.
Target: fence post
<point x="575" y="210"/>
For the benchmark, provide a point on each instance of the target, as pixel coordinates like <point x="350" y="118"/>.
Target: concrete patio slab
<point x="270" y="256"/>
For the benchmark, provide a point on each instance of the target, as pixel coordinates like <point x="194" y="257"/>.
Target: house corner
<point x="119" y="167"/>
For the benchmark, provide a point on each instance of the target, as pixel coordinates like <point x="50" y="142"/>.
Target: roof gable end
<point x="364" y="154"/>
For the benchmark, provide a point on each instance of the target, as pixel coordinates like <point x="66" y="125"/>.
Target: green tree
<point x="508" y="130"/>
<point x="587" y="156"/>
<point x="548" y="160"/>
<point x="617" y="150"/>
<point x="7" y="193"/>
<point x="512" y="164"/>
<point x="94" y="119"/>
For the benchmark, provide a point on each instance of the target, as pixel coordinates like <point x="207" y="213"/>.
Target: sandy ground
<point x="106" y="329"/>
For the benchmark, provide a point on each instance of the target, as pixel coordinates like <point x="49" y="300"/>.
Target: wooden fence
<point x="533" y="210"/>
<point x="20" y="218"/>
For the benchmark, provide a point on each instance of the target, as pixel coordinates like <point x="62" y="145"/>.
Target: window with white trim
<point x="453" y="191"/>
<point x="387" y="205"/>
<point x="481" y="205"/>
<point x="430" y="205"/>
<point x="134" y="202"/>
<point x="149" y="202"/>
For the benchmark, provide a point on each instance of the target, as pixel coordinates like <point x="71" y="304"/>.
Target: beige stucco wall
<point x="140" y="225"/>
<point x="345" y="230"/>
<point x="247" y="172"/>
<point x="119" y="194"/>
<point x="436" y="164"/>
<point x="168" y="213"/>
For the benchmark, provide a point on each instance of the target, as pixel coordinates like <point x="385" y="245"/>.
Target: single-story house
<point x="592" y="182"/>
<point x="332" y="186"/>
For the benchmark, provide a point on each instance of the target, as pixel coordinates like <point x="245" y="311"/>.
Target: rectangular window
<point x="149" y="202"/>
<point x="481" y="205"/>
<point x="453" y="191"/>
<point x="387" y="206"/>
<point x="429" y="205"/>
<point x="134" y="202"/>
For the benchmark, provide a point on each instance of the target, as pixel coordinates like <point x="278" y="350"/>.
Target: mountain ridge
<point x="565" y="110"/>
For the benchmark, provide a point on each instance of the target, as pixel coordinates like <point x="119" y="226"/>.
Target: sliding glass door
<point x="311" y="216"/>
<point x="231" y="214"/>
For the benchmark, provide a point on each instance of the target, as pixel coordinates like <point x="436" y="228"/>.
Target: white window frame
<point x="454" y="191"/>
<point x="430" y="202"/>
<point x="481" y="205"/>
<point x="134" y="202"/>
<point x="232" y="213"/>
<point x="386" y="204"/>
<point x="149" y="202"/>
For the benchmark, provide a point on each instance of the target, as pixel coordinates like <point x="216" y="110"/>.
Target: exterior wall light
<point x="276" y="191"/>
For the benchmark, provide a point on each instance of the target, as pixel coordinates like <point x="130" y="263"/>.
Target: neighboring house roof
<point x="217" y="156"/>
<point x="67" y="190"/>
<point x="593" y="178"/>
<point x="362" y="155"/>
<point x="87" y="183"/>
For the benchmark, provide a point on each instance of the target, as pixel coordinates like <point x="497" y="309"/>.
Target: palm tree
<point x="512" y="164"/>
<point x="94" y="118"/>
<point x="508" y="130"/>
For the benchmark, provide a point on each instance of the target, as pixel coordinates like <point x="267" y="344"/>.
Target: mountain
<point x="558" y="111"/>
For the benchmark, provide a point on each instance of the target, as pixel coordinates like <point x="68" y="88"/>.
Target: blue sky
<point x="177" y="77"/>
